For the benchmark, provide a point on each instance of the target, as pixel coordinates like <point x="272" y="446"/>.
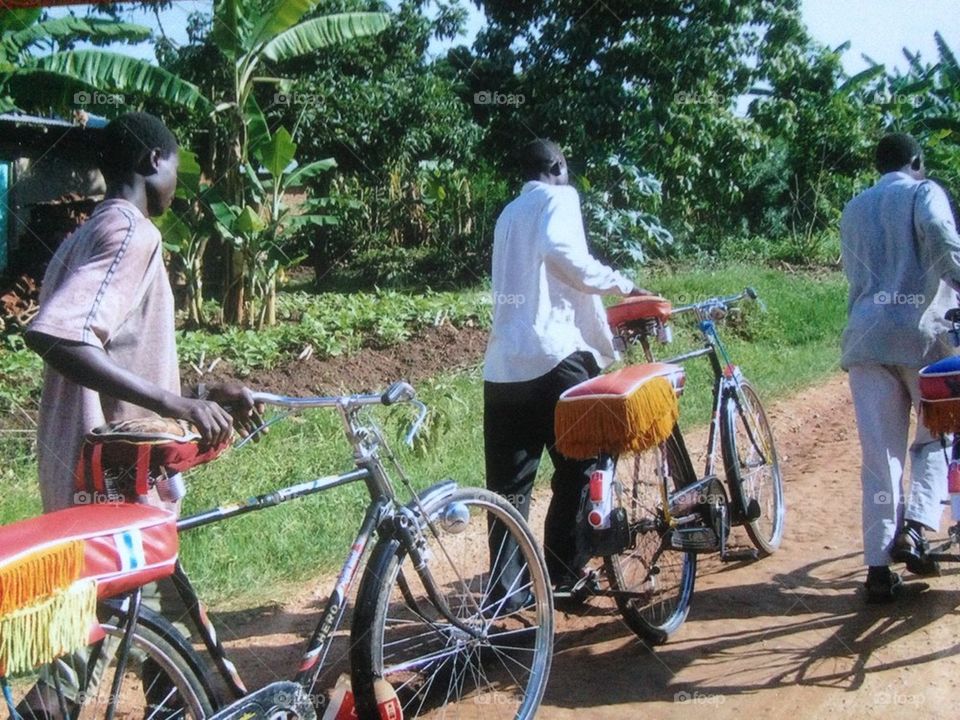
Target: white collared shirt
<point x="546" y="287"/>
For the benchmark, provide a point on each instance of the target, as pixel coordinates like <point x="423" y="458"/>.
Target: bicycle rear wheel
<point x="164" y="679"/>
<point x="658" y="578"/>
<point x="753" y="466"/>
<point x="496" y="662"/>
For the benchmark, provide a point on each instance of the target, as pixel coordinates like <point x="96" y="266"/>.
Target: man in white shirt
<point x="900" y="252"/>
<point x="549" y="333"/>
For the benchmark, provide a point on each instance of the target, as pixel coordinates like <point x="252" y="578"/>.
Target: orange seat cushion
<point x="644" y="307"/>
<point x="627" y="380"/>
<point x="631" y="409"/>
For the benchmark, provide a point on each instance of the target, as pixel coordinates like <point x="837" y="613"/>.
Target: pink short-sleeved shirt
<point x="107" y="287"/>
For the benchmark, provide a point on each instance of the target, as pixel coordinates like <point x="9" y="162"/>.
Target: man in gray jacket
<point x="901" y="253"/>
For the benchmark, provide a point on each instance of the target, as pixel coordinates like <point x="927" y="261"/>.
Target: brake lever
<point x="417" y="424"/>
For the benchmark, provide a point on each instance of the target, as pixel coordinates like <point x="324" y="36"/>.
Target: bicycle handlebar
<point x="398" y="392"/>
<point x="747" y="294"/>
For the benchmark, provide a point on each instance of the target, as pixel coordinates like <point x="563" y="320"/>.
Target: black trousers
<point x="517" y="427"/>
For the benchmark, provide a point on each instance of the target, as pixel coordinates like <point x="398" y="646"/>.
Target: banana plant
<point x="61" y="80"/>
<point x="250" y="36"/>
<point x="186" y="230"/>
<point x="259" y="230"/>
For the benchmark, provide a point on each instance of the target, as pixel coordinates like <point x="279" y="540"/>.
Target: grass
<point x="786" y="344"/>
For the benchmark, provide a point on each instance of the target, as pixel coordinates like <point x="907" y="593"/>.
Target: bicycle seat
<point x="53" y="568"/>
<point x="631" y="409"/>
<point x="644" y="308"/>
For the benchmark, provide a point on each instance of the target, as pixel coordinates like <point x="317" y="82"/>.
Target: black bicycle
<point x="664" y="514"/>
<point x="426" y="621"/>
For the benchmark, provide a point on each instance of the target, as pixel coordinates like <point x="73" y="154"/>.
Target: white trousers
<point x="882" y="398"/>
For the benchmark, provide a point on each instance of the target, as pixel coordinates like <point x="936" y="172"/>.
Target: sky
<point x="878" y="28"/>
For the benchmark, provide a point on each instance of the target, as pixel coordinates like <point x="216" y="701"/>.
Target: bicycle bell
<point x="455" y="518"/>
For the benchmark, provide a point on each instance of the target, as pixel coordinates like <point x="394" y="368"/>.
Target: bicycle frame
<point x="726" y="383"/>
<point x="383" y="516"/>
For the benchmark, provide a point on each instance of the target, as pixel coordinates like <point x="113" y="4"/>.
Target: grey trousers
<point x="882" y="398"/>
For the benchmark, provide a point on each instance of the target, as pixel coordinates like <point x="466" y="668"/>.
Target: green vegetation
<point x="785" y="343"/>
<point x="334" y="323"/>
<point x="647" y="101"/>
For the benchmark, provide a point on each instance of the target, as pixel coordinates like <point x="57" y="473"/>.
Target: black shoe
<point x="882" y="586"/>
<point x="910" y="547"/>
<point x="571" y="592"/>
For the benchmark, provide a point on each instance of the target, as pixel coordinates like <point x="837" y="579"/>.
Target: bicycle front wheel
<point x="163" y="678"/>
<point x="487" y="654"/>
<point x="653" y="582"/>
<point x="753" y="466"/>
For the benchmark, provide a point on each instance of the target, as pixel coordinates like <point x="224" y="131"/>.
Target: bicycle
<point x="940" y="412"/>
<point x="740" y="437"/>
<point x="662" y="515"/>
<point x="424" y="620"/>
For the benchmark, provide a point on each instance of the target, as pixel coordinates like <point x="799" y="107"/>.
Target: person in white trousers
<point x="901" y="256"/>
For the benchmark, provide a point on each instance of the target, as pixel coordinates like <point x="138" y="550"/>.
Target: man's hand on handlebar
<point x="638" y="292"/>
<point x="238" y="399"/>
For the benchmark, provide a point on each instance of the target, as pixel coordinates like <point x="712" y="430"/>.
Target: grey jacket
<point x="901" y="256"/>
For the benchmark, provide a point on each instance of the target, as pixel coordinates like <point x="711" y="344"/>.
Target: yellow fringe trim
<point x="40" y="633"/>
<point x="941" y="417"/>
<point x="587" y="426"/>
<point x="39" y="574"/>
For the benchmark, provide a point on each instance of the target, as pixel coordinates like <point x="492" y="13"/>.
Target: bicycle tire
<point x="160" y="661"/>
<point x="399" y="635"/>
<point x="753" y="473"/>
<point x="664" y="575"/>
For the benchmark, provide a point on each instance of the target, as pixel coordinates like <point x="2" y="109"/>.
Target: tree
<point x="655" y="83"/>
<point x="245" y="38"/>
<point x="58" y="81"/>
<point x="925" y="102"/>
<point x="405" y="144"/>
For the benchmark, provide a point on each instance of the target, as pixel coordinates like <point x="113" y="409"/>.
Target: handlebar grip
<point x="400" y="391"/>
<point x="750" y="293"/>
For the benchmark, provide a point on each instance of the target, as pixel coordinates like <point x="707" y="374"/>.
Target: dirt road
<point x="785" y="637"/>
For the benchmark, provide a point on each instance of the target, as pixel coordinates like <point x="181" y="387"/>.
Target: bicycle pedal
<point x="698" y="540"/>
<point x="739" y="555"/>
<point x="282" y="698"/>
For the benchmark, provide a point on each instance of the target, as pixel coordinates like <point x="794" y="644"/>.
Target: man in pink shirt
<point x="105" y="328"/>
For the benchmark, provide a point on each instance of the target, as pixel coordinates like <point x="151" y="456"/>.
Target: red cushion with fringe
<point x="124" y="545"/>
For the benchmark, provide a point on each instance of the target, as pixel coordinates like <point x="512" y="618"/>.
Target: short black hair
<point x="896" y="150"/>
<point x="538" y="157"/>
<point x="127" y="138"/>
